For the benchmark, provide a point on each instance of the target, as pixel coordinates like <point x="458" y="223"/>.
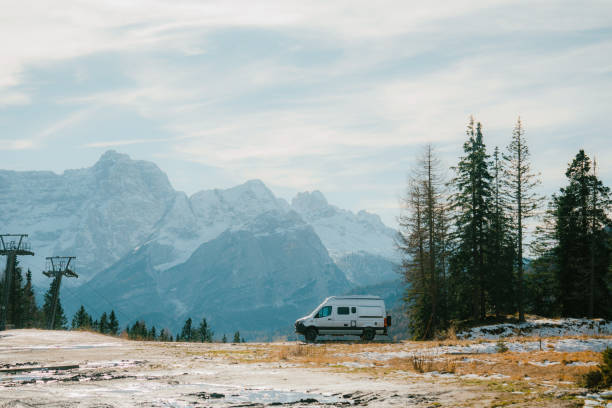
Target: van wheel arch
<point x="368" y="334"/>
<point x="311" y="334"/>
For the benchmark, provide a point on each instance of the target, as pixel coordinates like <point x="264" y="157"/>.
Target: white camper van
<point x="363" y="316"/>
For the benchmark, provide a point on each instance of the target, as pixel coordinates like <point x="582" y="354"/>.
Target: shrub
<point x="601" y="377"/>
<point x="420" y="363"/>
<point x="501" y="347"/>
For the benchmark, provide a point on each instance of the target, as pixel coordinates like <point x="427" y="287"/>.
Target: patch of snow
<point x="582" y="363"/>
<point x="544" y="363"/>
<point x="540" y="328"/>
<point x="356" y="364"/>
<point x="561" y="345"/>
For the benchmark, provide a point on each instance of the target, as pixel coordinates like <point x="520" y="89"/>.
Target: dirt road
<point x="119" y="373"/>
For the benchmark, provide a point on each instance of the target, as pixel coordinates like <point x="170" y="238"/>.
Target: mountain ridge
<point x="128" y="227"/>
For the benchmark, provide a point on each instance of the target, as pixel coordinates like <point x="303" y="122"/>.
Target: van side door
<point x="344" y="318"/>
<point x="323" y="320"/>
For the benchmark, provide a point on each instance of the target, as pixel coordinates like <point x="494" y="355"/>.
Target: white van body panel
<point x="346" y="315"/>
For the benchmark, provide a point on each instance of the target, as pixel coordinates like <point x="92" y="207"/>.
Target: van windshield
<point x="316" y="309"/>
<point x="324" y="312"/>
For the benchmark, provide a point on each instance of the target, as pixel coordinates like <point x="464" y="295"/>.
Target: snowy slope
<point x="202" y="217"/>
<point x="97" y="214"/>
<point x="113" y="209"/>
<point x="344" y="232"/>
<point x="540" y="328"/>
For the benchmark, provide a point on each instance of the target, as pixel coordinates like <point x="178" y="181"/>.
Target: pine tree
<point x="423" y="240"/>
<point x="521" y="182"/>
<point x="30" y="309"/>
<point x="187" y="332"/>
<point x="81" y="319"/>
<point x="103" y="323"/>
<point x="204" y="334"/>
<point x="61" y="323"/>
<point x="16" y="303"/>
<point x="501" y="255"/>
<point x="138" y="331"/>
<point x="583" y="250"/>
<point x="541" y="285"/>
<point x="113" y="323"/>
<point x="224" y="339"/>
<point x="236" y="337"/>
<point x="165" y="335"/>
<point x="152" y="334"/>
<point x="471" y="206"/>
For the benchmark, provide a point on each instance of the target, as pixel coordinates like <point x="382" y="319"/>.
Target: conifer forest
<point x="483" y="246"/>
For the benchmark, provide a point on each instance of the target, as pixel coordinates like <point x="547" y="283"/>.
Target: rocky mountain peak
<point x="312" y="204"/>
<point x="112" y="156"/>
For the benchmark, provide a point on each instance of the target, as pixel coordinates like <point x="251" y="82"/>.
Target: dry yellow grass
<point x="513" y="366"/>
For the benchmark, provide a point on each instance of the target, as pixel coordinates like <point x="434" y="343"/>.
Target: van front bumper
<point x="300" y="328"/>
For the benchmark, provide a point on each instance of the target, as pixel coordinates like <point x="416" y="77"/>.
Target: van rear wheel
<point x="368" y="335"/>
<point x="311" y="334"/>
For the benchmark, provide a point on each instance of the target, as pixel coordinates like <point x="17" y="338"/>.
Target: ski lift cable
<point x="117" y="309"/>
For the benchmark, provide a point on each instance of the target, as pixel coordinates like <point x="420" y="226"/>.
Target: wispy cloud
<point x="21" y="144"/>
<point x="332" y="95"/>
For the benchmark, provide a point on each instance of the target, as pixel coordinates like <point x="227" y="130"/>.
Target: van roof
<point x="356" y="297"/>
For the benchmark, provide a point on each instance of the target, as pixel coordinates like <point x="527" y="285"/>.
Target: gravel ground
<point x="113" y="372"/>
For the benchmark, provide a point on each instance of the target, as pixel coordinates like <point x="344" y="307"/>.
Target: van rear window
<point x="343" y="310"/>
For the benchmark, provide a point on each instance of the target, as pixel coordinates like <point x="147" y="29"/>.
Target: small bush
<point x="593" y="379"/>
<point x="420" y="363"/>
<point x="606" y="367"/>
<point x="501" y="347"/>
<point x="601" y="377"/>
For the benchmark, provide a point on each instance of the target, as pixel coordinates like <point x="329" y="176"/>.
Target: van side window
<point x="353" y="309"/>
<point x="343" y="310"/>
<point x="324" y="312"/>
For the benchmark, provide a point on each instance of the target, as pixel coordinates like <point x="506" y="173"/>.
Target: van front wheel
<point x="311" y="334"/>
<point x="368" y="335"/>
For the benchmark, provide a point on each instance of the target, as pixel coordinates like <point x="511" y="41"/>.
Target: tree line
<point x="189" y="333"/>
<point x="23" y="312"/>
<point x="22" y="309"/>
<point x="463" y="239"/>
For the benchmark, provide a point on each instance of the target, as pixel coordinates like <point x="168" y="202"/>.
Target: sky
<point x="336" y="96"/>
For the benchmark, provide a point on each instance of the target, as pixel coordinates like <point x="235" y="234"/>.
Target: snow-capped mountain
<point x="97" y="214"/>
<point x="342" y="231"/>
<point x="133" y="233"/>
<point x="360" y="244"/>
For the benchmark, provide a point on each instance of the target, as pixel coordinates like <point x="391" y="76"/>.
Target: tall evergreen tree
<point x="113" y="323"/>
<point x="422" y="239"/>
<point x="187" y="331"/>
<point x="30" y="309"/>
<point x="138" y="331"/>
<point x="61" y="323"/>
<point x="15" y="310"/>
<point x="103" y="328"/>
<point x="500" y="243"/>
<point x="203" y="333"/>
<point x="152" y="334"/>
<point x="583" y="251"/>
<point x="541" y="285"/>
<point x="165" y="335"/>
<point x="236" y="337"/>
<point x="81" y="319"/>
<point x="471" y="206"/>
<point x="521" y="182"/>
